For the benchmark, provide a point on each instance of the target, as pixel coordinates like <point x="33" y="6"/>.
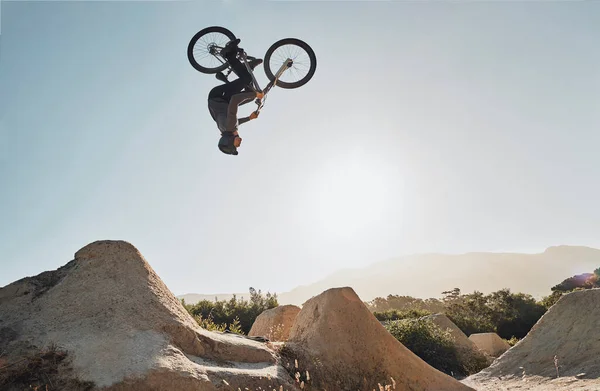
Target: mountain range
<point x="428" y="275"/>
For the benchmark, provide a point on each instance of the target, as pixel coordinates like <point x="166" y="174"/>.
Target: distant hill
<point x="428" y="275"/>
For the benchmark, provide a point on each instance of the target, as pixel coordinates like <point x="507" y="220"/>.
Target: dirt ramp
<point x="490" y="343"/>
<point x="275" y="323"/>
<point x="570" y="330"/>
<point x="344" y="347"/>
<point x="124" y="329"/>
<point x="467" y="350"/>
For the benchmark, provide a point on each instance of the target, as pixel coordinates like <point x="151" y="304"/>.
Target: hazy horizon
<point x="375" y="262"/>
<point x="429" y="127"/>
<point x="427" y="276"/>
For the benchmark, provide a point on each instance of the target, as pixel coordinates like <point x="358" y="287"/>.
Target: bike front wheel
<point x="204" y="49"/>
<point x="303" y="63"/>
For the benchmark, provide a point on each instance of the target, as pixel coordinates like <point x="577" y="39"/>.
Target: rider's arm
<point x="252" y="116"/>
<point x="232" y="108"/>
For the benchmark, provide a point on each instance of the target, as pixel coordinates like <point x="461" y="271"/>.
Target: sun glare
<point x="351" y="198"/>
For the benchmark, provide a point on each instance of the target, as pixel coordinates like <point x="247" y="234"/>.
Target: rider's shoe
<point x="220" y="76"/>
<point x="254" y="62"/>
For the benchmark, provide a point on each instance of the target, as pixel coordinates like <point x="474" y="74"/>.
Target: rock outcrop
<point x="342" y="346"/>
<point x="124" y="330"/>
<point x="275" y="324"/>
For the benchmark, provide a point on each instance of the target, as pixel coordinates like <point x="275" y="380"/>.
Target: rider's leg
<point x="234" y="87"/>
<point x="226" y="91"/>
<point x="221" y="77"/>
<point x="236" y="65"/>
<point x="239" y="69"/>
<point x="253" y="62"/>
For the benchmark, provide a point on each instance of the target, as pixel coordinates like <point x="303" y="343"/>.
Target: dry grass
<point x="276" y="332"/>
<point x="302" y="375"/>
<point x="41" y="370"/>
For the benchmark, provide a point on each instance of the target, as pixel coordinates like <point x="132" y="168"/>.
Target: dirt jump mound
<point x="342" y="346"/>
<point x="491" y="343"/>
<point x="465" y="347"/>
<point x="275" y="323"/>
<point x="562" y="350"/>
<point x="444" y="323"/>
<point x="124" y="330"/>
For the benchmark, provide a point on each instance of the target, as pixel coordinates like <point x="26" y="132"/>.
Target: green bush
<point x="428" y="341"/>
<point x="235" y="315"/>
<point x="471" y="361"/>
<point x="390" y="315"/>
<point x="436" y="347"/>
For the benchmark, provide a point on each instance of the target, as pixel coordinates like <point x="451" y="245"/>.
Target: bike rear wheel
<point x="303" y="66"/>
<point x="205" y="46"/>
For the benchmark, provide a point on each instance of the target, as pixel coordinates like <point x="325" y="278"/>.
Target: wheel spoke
<point x="303" y="62"/>
<point x="298" y="56"/>
<point x="201" y="49"/>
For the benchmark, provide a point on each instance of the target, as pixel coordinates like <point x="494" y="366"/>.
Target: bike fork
<point x="260" y="103"/>
<point x="287" y="64"/>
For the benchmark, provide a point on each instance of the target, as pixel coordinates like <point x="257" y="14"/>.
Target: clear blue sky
<point x="428" y="127"/>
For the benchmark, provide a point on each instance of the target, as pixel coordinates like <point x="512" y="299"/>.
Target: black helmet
<point x="226" y="144"/>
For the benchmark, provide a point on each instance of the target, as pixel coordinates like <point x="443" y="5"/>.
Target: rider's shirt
<point x="218" y="110"/>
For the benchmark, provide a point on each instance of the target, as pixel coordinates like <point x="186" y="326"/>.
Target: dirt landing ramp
<point x="344" y="347"/>
<point x="570" y="330"/>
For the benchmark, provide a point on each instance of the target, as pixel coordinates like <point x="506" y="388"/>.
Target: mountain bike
<point x="288" y="63"/>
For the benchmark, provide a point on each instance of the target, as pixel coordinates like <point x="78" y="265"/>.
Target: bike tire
<point x="294" y="42"/>
<point x="190" y="49"/>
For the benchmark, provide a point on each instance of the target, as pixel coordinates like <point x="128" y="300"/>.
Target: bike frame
<point x="260" y="102"/>
<point x="287" y="64"/>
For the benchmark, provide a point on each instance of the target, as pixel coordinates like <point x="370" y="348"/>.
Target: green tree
<point x="469" y="312"/>
<point x="550" y="300"/>
<point x="390" y="315"/>
<point x="584" y="281"/>
<point x="513" y="314"/>
<point x="576" y="282"/>
<point x="396" y="302"/>
<point x="502" y="312"/>
<point x="451" y="295"/>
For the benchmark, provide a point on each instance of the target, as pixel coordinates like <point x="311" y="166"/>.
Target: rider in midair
<point x="224" y="100"/>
